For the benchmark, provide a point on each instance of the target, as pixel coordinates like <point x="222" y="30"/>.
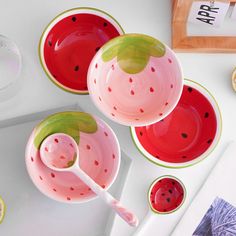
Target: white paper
<point x="203" y="13"/>
<point x="220" y="183"/>
<point x="233" y="15"/>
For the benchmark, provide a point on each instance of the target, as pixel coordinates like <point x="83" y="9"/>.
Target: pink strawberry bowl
<point x="135" y="80"/>
<point x="99" y="156"/>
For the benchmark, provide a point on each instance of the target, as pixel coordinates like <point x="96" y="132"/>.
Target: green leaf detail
<point x="71" y="163"/>
<point x="132" y="51"/>
<point x="70" y="123"/>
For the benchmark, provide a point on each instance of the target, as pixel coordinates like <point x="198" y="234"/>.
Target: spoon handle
<point x="124" y="213"/>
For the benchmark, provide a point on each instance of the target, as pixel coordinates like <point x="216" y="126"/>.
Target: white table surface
<point x="24" y="21"/>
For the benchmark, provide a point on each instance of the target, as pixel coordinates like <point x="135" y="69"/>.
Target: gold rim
<point x="3" y="209"/>
<point x="78" y="92"/>
<point x="233" y="77"/>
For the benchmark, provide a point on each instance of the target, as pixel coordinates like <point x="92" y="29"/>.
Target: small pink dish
<point x="135" y="80"/>
<point x="93" y="137"/>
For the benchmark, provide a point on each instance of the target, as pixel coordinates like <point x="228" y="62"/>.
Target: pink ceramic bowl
<point x="135" y="80"/>
<point x="99" y="156"/>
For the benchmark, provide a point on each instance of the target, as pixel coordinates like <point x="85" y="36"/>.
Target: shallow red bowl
<point x="187" y="135"/>
<point x="166" y="194"/>
<point x="69" y="43"/>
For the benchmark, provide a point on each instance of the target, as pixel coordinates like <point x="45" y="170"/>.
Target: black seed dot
<point x="105" y="24"/>
<point x="209" y="141"/>
<point x="158" y="157"/>
<point x="173" y="182"/>
<point x="151" y="193"/>
<point x="50" y="43"/>
<point x="170" y="191"/>
<point x="152" y="201"/>
<point x="74" y="18"/>
<point x="141" y="133"/>
<point x="168" y="199"/>
<point x="184" y="135"/>
<point x="76" y="68"/>
<point x="190" y="89"/>
<point x="163" y="194"/>
<point x="54" y="76"/>
<point x="97" y="49"/>
<point x="206" y="115"/>
<point x="164" y="210"/>
<point x="162" y="120"/>
<point x="159" y="181"/>
<point x="184" y="157"/>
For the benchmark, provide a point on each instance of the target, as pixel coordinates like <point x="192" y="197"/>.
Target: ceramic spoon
<point x="60" y="152"/>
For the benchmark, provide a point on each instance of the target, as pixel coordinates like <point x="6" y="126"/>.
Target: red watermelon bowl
<point x="70" y="41"/>
<point x="166" y="194"/>
<point x="187" y="135"/>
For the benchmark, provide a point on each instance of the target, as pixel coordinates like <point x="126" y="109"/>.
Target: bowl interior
<point x="191" y="130"/>
<point x="98" y="161"/>
<point x="135" y="88"/>
<point x="70" y="42"/>
<point x="166" y="195"/>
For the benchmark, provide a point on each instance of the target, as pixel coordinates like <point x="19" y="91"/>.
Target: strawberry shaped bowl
<point x="69" y="43"/>
<point x="187" y="135"/>
<point x="93" y="136"/>
<point x="135" y="80"/>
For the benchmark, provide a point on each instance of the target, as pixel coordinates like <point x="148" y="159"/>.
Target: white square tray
<point x="29" y="212"/>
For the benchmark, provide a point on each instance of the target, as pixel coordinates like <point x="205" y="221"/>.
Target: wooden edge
<point x="179" y="19"/>
<point x="183" y="43"/>
<point x="207" y="44"/>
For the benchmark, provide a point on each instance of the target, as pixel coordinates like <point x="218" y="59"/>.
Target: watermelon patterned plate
<point x="187" y="135"/>
<point x="93" y="136"/>
<point x="69" y="43"/>
<point x="135" y="80"/>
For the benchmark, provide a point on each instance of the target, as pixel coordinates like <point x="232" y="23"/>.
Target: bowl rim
<point x="150" y="189"/>
<point x="54" y="21"/>
<point x="207" y="152"/>
<point x="153" y="120"/>
<point x="233" y="77"/>
<point x="17" y="51"/>
<point x="27" y="155"/>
